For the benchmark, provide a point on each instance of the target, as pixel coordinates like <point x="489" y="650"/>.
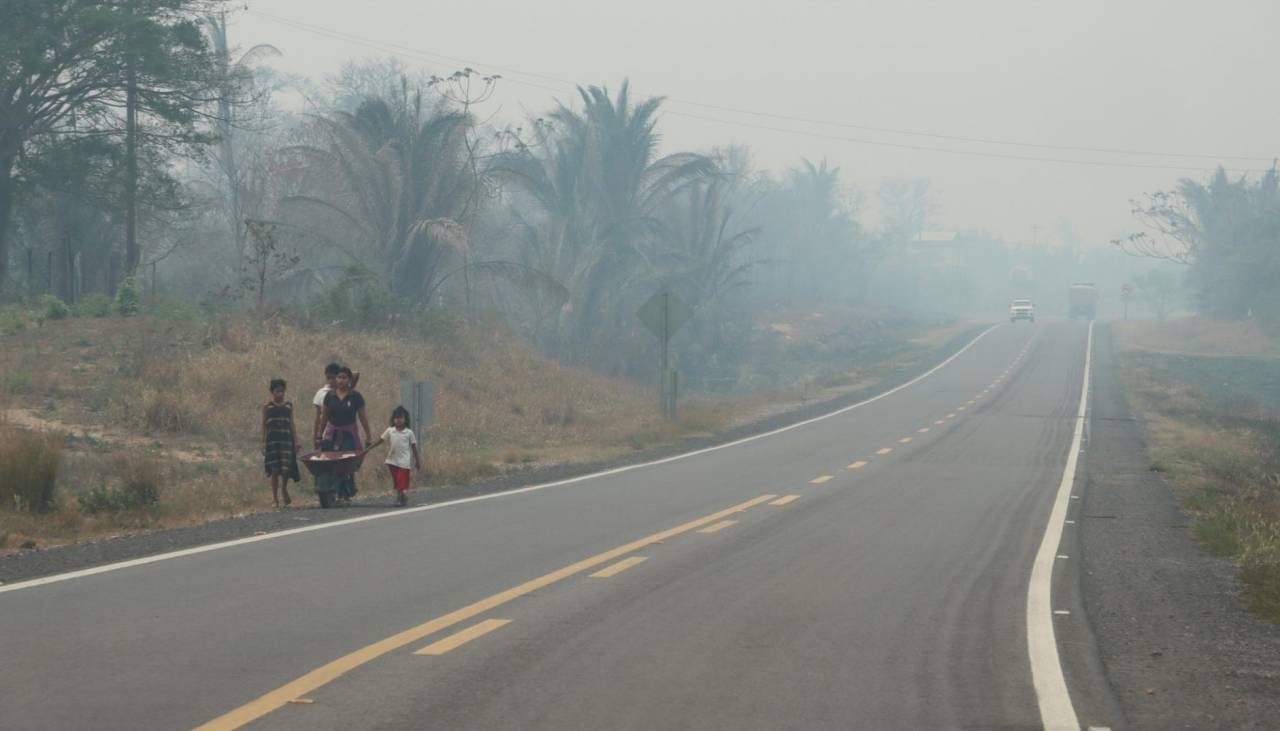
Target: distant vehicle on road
<point x="1083" y="301"/>
<point x="1022" y="310"/>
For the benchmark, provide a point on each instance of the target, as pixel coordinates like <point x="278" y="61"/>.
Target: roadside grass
<point x="1214" y="427"/>
<point x="156" y="415"/>
<point x="1197" y="336"/>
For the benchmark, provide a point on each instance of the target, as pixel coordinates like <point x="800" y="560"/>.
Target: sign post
<point x="664" y="313"/>
<point x="1126" y="294"/>
<point x="419" y="397"/>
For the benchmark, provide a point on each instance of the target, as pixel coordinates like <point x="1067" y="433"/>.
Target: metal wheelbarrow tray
<point x="330" y="468"/>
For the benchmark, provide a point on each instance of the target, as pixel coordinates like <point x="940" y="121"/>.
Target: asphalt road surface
<point x="866" y="570"/>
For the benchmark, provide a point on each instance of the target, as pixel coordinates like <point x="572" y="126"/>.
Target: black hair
<point x="277" y="383"/>
<point x="347" y="371"/>
<point x="332" y="369"/>
<point x="401" y="411"/>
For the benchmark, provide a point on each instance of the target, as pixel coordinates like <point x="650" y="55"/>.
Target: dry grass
<point x="181" y="399"/>
<point x="1197" y="336"/>
<point x="29" y="464"/>
<point x="1221" y="455"/>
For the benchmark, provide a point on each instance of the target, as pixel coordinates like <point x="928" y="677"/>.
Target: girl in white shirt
<point x="402" y="445"/>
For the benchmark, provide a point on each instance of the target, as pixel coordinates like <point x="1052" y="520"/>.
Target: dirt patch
<point x="110" y="439"/>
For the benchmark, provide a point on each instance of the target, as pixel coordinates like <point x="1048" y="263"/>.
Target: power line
<point x="571" y="85"/>
<point x="972" y="153"/>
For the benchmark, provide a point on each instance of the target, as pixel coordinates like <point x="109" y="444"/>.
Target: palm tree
<point x="708" y="252"/>
<point x="598" y="184"/>
<point x="395" y="182"/>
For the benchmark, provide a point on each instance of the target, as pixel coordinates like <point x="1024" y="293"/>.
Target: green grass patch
<point x="1215" y="435"/>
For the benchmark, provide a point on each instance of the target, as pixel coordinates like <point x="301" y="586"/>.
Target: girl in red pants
<point x="401" y="445"/>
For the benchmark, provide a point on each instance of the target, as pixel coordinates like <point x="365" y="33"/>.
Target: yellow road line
<point x="785" y="499"/>
<point x="274" y="699"/>
<point x="718" y="526"/>
<point x="922" y="430"/>
<point x="904" y="440"/>
<point x="821" y="479"/>
<point x="457" y="639"/>
<point x="858" y="465"/>
<point x="619" y="567"/>
<point x="884" y="450"/>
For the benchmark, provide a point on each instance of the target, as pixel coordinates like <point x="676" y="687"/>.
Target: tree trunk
<point x="131" y="176"/>
<point x="7" y="186"/>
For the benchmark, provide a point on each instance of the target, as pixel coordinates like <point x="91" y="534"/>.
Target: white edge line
<point x="1056" y="711"/>
<point x="82" y="573"/>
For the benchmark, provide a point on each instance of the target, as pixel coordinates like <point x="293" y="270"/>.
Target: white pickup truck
<point x="1022" y="310"/>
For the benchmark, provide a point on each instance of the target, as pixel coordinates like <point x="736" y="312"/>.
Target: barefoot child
<point x="280" y="444"/>
<point x="402" y="443"/>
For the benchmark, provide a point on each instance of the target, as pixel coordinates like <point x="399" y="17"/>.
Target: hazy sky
<point x="1168" y="76"/>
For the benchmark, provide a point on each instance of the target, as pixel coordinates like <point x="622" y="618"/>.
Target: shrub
<point x="127" y="303"/>
<point x="139" y="478"/>
<point x="28" y="469"/>
<point x="54" y="308"/>
<point x="11" y="324"/>
<point x="173" y="309"/>
<point x="139" y="488"/>
<point x="360" y="300"/>
<point x="94" y="305"/>
<point x="17" y="381"/>
<point x="166" y="411"/>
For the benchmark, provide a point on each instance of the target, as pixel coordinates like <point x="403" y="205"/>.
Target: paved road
<point x="889" y="592"/>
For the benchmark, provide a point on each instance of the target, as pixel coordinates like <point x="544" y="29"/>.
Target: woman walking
<point x="343" y="408"/>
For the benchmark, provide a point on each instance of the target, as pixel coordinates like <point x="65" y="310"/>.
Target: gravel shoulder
<point x="62" y="559"/>
<point x="1176" y="642"/>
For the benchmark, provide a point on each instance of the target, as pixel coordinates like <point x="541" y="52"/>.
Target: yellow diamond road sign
<point x="664" y="313"/>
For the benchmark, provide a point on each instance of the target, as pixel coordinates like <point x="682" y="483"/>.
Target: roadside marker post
<point x="419" y="397"/>
<point x="664" y="313"/>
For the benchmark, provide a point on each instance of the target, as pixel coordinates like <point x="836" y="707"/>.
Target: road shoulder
<point x="1178" y="646"/>
<point x="62" y="559"/>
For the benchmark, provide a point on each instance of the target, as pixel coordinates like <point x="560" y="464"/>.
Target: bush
<point x="127" y="303"/>
<point x="139" y="487"/>
<point x="94" y="305"/>
<point x="11" y="323"/>
<point x="360" y="300"/>
<point x="166" y="411"/>
<point x="17" y="382"/>
<point x="54" y="308"/>
<point x="173" y="309"/>
<point x="28" y="469"/>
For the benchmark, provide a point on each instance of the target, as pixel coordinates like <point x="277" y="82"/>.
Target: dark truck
<point x="1082" y="301"/>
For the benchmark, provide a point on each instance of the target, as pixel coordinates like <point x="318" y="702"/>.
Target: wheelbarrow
<point x="333" y="471"/>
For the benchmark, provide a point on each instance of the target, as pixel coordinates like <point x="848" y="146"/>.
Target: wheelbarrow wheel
<point x="327" y="499"/>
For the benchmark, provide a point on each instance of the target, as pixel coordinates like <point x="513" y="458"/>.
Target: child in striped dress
<point x="280" y="444"/>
